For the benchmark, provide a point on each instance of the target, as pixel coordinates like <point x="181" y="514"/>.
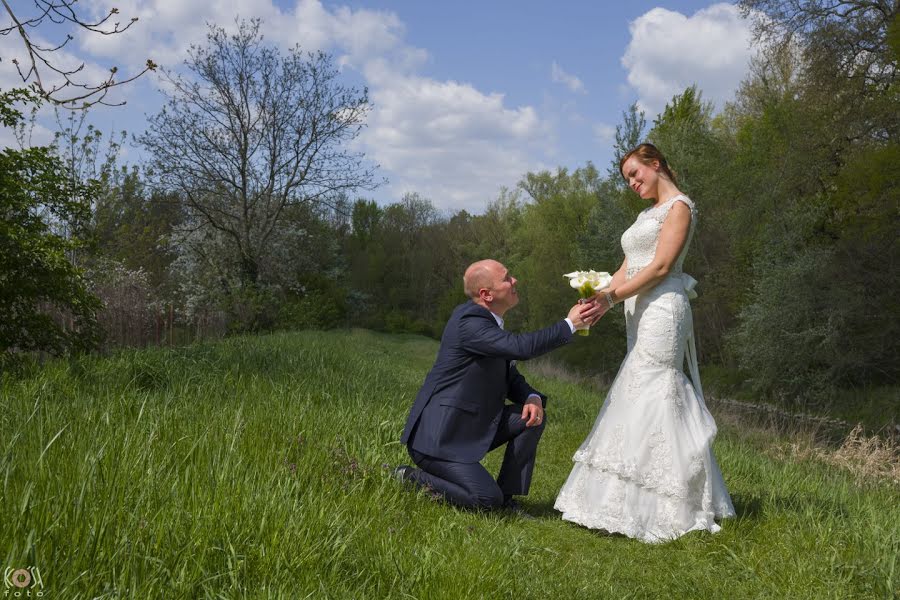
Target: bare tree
<point x="853" y="34"/>
<point x="253" y="132"/>
<point x="42" y="67"/>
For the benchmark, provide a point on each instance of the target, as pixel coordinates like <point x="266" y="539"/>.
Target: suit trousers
<point x="470" y="484"/>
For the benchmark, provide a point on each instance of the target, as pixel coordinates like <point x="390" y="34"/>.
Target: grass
<point x="254" y="467"/>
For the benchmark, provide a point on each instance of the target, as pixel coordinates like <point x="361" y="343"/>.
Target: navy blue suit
<point x="460" y="413"/>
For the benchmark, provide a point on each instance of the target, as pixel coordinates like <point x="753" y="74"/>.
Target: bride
<point x="647" y="469"/>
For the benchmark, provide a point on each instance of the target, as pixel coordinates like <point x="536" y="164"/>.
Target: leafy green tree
<point x="684" y="133"/>
<point x="133" y="224"/>
<point x="815" y="218"/>
<point x="45" y="303"/>
<point x="548" y="237"/>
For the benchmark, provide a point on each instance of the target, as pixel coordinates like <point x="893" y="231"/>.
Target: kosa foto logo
<point x="23" y="583"/>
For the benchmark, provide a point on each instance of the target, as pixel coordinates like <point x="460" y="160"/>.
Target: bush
<point x="316" y="309"/>
<point x="790" y="331"/>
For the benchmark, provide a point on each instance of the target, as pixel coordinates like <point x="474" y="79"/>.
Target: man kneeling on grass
<point x="460" y="415"/>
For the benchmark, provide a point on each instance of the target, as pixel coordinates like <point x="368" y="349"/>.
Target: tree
<point x="37" y="281"/>
<point x="849" y="65"/>
<point x="132" y="223"/>
<point x="49" y="79"/>
<point x="683" y="132"/>
<point x="844" y="29"/>
<point x="629" y="133"/>
<point x="548" y="238"/>
<point x="253" y="133"/>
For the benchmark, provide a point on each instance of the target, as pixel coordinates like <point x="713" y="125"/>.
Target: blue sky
<point x="467" y="96"/>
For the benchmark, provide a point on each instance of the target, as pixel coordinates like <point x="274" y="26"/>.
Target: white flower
<point x="597" y="279"/>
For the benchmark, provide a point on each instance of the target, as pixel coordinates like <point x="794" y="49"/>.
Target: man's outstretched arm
<point x="479" y="334"/>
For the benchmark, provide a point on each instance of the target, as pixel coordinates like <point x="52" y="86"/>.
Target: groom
<point x="459" y="414"/>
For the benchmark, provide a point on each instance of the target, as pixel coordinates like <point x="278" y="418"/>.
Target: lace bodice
<point x="639" y="241"/>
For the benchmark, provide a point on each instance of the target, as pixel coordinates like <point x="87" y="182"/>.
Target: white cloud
<point x="558" y="75"/>
<point x="604" y="132"/>
<point x="447" y="140"/>
<point x="670" y="51"/>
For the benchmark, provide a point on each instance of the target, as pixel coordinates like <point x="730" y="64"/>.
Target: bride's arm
<point x="672" y="237"/>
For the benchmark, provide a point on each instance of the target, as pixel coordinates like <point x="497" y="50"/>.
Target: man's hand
<point x="578" y="313"/>
<point x="533" y="412"/>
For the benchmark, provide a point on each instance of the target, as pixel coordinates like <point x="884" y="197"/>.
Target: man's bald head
<point x="489" y="284"/>
<point x="480" y="275"/>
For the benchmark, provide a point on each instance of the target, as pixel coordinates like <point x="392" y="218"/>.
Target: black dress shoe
<point x="402" y="473"/>
<point x="511" y="506"/>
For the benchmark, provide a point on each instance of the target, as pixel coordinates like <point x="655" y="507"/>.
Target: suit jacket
<point x="457" y="411"/>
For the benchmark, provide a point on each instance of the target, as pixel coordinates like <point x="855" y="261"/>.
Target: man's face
<point x="503" y="290"/>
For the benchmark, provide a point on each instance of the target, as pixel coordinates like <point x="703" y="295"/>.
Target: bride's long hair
<point x="646" y="153"/>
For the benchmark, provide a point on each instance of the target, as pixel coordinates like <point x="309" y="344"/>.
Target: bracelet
<point x="609" y="299"/>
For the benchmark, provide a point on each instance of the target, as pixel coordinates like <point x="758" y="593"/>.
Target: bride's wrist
<point x="610" y="296"/>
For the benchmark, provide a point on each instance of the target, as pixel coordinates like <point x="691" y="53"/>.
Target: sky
<point x="467" y="97"/>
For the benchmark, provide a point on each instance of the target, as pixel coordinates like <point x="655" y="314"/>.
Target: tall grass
<point x="256" y="467"/>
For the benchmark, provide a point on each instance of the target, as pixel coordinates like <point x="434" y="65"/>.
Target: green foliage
<point x="789" y="334"/>
<point x="684" y="130"/>
<point x="863" y="222"/>
<point x="45" y="304"/>
<point x="548" y="240"/>
<point x="322" y="307"/>
<point x="629" y="133"/>
<point x="814" y="145"/>
<point x="599" y="248"/>
<point x="796" y="182"/>
<point x="134" y="224"/>
<point x="258" y="467"/>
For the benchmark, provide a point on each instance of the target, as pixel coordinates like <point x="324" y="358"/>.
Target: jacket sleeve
<point x="480" y="334"/>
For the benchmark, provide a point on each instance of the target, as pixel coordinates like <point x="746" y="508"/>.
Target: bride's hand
<point x="596" y="308"/>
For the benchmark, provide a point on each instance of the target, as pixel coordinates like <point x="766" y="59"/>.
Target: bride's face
<point x="643" y="179"/>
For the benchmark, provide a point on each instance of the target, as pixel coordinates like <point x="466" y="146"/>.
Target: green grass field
<point x="255" y="467"/>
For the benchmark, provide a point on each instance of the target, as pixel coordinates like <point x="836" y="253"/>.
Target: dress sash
<point x="689" y="284"/>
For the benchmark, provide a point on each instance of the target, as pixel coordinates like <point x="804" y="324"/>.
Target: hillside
<point x="258" y="467"/>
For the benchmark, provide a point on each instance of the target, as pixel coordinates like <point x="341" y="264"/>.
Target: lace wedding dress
<point x="647" y="470"/>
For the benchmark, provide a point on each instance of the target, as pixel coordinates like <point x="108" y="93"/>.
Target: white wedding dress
<point x="647" y="470"/>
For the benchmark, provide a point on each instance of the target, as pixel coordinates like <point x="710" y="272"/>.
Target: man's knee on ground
<point x="488" y="499"/>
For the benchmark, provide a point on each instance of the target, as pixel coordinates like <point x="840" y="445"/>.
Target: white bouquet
<point x="587" y="283"/>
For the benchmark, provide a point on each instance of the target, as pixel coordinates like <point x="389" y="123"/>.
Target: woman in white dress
<point x="647" y="470"/>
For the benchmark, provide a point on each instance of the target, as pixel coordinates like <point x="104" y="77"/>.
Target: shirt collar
<point x="497" y="318"/>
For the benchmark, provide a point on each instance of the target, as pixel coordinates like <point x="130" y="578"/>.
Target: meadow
<point x="259" y="467"/>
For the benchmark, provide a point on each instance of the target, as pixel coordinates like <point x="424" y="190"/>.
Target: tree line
<point x="253" y="216"/>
